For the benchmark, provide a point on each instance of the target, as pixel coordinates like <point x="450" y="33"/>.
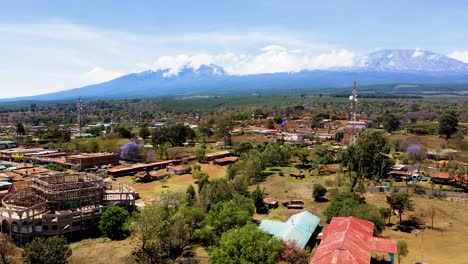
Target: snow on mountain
<point x="409" y="60"/>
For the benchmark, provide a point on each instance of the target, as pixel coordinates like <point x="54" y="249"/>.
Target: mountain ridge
<point x="380" y="67"/>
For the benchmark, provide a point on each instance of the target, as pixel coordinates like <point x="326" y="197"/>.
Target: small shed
<point x="178" y="170"/>
<point x="144" y="176"/>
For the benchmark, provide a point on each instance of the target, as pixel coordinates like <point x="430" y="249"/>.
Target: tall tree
<point x="247" y="244"/>
<point x="402" y="249"/>
<point x="448" y="123"/>
<point x="20" y="131"/>
<point x="113" y="222"/>
<point x="257" y="197"/>
<point x="390" y="122"/>
<point x="400" y="202"/>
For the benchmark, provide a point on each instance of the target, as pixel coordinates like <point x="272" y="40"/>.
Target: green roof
<point x="7" y="142"/>
<point x="299" y="228"/>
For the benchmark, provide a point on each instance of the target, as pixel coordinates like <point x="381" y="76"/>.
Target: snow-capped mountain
<point x="409" y="60"/>
<point x="382" y="67"/>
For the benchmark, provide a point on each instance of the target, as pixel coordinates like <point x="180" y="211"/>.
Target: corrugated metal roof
<point x="350" y="240"/>
<point x="299" y="228"/>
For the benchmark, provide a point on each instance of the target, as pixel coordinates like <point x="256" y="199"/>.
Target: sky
<point x="51" y="45"/>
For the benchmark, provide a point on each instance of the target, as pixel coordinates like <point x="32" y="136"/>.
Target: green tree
<point x="161" y="234"/>
<point x="247" y="244"/>
<point x="386" y="213"/>
<point x="257" y="197"/>
<point x="339" y="135"/>
<point x="163" y="150"/>
<point x="448" y="123"/>
<point x="216" y="191"/>
<point x="144" y="132"/>
<point x="7" y="248"/>
<point x="51" y="250"/>
<point x="400" y="202"/>
<point x="270" y="124"/>
<point x="369" y="157"/>
<point x="302" y="154"/>
<point x="20" y="131"/>
<point x="190" y="195"/>
<point x="223" y="129"/>
<point x="402" y="249"/>
<point x="113" y="222"/>
<point x="390" y="122"/>
<point x="319" y="192"/>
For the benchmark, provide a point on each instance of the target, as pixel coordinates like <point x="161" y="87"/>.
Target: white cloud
<point x="459" y="55"/>
<point x="98" y="75"/>
<point x="270" y="59"/>
<point x="66" y="55"/>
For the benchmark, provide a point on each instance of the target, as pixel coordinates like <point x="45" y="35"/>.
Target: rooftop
<point x="298" y="228"/>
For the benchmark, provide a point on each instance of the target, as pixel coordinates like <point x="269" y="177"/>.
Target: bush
<point x="54" y="167"/>
<point x="52" y="250"/>
<point x="113" y="223"/>
<point x="319" y="191"/>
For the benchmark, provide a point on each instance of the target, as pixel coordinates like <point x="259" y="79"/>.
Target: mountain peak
<point x="408" y="60"/>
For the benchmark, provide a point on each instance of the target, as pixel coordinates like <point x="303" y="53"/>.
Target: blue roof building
<point x="298" y="228"/>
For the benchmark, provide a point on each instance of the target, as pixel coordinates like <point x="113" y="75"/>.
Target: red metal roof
<point x="350" y="240"/>
<point x="384" y="245"/>
<point x="441" y="175"/>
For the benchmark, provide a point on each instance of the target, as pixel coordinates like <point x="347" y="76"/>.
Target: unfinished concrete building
<point x="62" y="204"/>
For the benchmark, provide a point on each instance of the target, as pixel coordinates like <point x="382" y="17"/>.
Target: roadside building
<point x="178" y="170"/>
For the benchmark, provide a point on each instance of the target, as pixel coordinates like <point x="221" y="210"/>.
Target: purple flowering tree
<point x="129" y="151"/>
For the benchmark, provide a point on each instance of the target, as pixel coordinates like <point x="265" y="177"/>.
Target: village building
<point x="350" y="240"/>
<point x="178" y="170"/>
<point x="90" y="160"/>
<point x="7" y="144"/>
<point x="225" y="161"/>
<point x="300" y="228"/>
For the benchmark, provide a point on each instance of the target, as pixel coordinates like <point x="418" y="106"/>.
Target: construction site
<point x="61" y="204"/>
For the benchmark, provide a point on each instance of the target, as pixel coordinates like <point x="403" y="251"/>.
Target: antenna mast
<point x="79" y="109"/>
<point x="354" y="104"/>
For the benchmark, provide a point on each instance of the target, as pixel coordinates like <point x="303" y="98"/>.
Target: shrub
<point x="113" y="222"/>
<point x="319" y="191"/>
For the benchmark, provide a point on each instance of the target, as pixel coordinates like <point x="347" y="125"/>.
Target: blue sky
<point x="49" y="45"/>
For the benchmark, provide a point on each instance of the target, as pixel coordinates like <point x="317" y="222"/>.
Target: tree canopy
<point x="400" y="202"/>
<point x="51" y="250"/>
<point x="448" y="123"/>
<point x="247" y="244"/>
<point x="113" y="222"/>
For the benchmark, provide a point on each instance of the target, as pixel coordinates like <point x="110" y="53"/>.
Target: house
<point x="300" y="228"/>
<point x="444" y="177"/>
<point x="442" y="154"/>
<point x="357" y="124"/>
<point x="144" y="176"/>
<point x="7" y="144"/>
<point x="350" y="240"/>
<point x="225" y="161"/>
<point x="178" y="170"/>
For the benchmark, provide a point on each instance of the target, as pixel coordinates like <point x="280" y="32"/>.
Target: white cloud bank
<point x="459" y="55"/>
<point x="270" y="59"/>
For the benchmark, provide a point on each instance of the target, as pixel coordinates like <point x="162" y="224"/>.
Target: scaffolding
<point x="61" y="204"/>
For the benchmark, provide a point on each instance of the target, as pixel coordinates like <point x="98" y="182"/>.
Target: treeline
<point x="377" y="95"/>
